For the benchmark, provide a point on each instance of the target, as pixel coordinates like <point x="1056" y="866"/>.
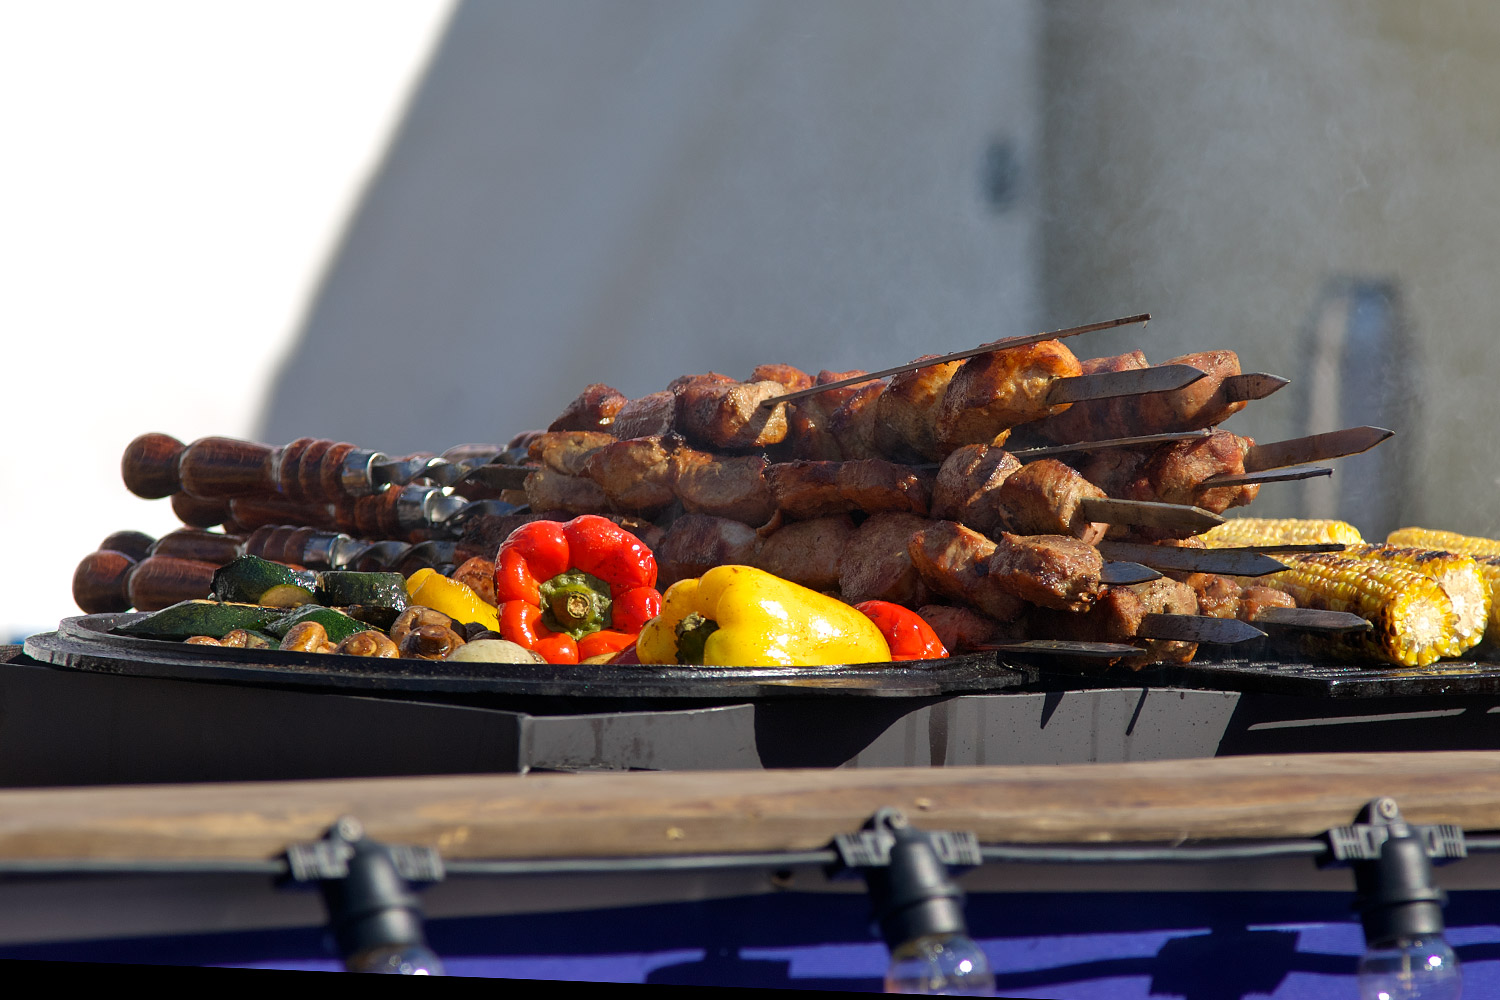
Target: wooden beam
<point x="688" y="812"/>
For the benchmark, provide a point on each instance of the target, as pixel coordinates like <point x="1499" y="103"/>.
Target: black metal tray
<point x="86" y="643"/>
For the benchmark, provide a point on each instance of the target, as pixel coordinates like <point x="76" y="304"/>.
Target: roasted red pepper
<point x="905" y="631"/>
<point x="574" y="590"/>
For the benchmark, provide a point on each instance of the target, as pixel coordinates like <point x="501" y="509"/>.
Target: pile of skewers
<point x="1017" y="497"/>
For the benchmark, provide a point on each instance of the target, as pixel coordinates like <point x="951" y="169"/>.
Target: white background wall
<point x="172" y="179"/>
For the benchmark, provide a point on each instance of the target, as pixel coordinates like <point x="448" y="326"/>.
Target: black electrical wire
<point x="769" y="860"/>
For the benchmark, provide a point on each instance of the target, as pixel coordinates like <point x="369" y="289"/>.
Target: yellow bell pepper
<point x="431" y="589"/>
<point x="742" y="616"/>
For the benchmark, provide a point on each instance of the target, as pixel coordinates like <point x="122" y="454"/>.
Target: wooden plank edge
<point x="686" y="812"/>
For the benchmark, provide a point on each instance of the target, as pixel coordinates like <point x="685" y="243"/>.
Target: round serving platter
<point x="86" y="643"/>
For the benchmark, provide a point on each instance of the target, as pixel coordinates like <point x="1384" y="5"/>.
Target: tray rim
<point x="84" y="643"/>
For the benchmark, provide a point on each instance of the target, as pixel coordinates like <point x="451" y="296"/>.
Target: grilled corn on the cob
<point x="1413" y="619"/>
<point x="1489" y="568"/>
<point x="1451" y="541"/>
<point x="1280" y="531"/>
<point x="1459" y="576"/>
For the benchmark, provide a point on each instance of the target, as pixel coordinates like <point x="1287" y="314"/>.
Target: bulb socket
<point x="373" y="906"/>
<point x="913" y="897"/>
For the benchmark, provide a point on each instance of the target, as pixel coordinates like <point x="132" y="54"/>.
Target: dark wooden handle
<point x="109" y="581"/>
<point x="149" y="466"/>
<point x="196" y="513"/>
<point x="249" y="513"/>
<point x="280" y="543"/>
<point x="199" y="546"/>
<point x="135" y="544"/>
<point x="161" y="581"/>
<point x="101" y="583"/>
<point x="218" y="468"/>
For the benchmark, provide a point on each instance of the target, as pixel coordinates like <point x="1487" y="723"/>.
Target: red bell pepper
<point x="905" y="631"/>
<point x="574" y="590"/>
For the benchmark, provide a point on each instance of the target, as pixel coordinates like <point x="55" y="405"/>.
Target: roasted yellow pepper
<point x="742" y="616"/>
<point x="431" y="589"/>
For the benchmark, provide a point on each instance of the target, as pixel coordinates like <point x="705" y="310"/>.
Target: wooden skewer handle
<point x="130" y="568"/>
<point x="110" y="581"/>
<point x="309" y="470"/>
<point x="196" y="513"/>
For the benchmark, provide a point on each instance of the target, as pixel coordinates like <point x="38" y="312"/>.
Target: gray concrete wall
<point x="1218" y="163"/>
<point x="596" y="191"/>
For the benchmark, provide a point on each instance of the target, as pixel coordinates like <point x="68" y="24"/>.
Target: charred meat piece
<point x="730" y="416"/>
<point x="1255" y="598"/>
<point x="876" y="564"/>
<point x="732" y="487"/>
<point x="816" y="489"/>
<point x="852" y="425"/>
<point x="1044" y="497"/>
<point x="806" y="552"/>
<point x="1053" y="571"/>
<point x="1092" y="419"/>
<point x="967" y="487"/>
<point x="593" y="410"/>
<point x="1218" y="596"/>
<point x="653" y="415"/>
<point x="991" y="393"/>
<point x="808" y="419"/>
<point x="1173" y="472"/>
<point x="696" y="543"/>
<point x="789" y="377"/>
<point x="567" y="451"/>
<point x="1116" y="617"/>
<point x="952" y="561"/>
<point x="478" y="575"/>
<point x="964" y="630"/>
<point x="906" y="413"/>
<point x="635" y="475"/>
<point x="550" y="490"/>
<point x="1113" y="469"/>
<point x="1192" y="407"/>
<point x="707" y="378"/>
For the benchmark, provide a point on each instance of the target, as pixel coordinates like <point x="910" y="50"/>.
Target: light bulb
<point x="397" y="960"/>
<point x="949" y="964"/>
<point x="1413" y="969"/>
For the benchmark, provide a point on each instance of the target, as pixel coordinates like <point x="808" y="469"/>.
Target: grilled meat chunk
<point x="1044" y="498"/>
<point x="653" y="415"/>
<point x="952" y="561"/>
<point x="1092" y="419"/>
<point x="963" y="630"/>
<point x="567" y="451"/>
<point x="696" y="543"/>
<point x="808" y="419"/>
<point x="635" y="475"/>
<point x="906" y="413"/>
<point x="547" y="489"/>
<point x="991" y="393"/>
<point x="789" y="377"/>
<point x="733" y="487"/>
<point x="1255" y="598"/>
<point x="593" y="410"/>
<point x="1116" y="617"/>
<point x="816" y="489"/>
<point x="852" y="424"/>
<point x="876" y="564"/>
<point x="1218" y="596"/>
<point x="967" y="487"/>
<point x="729" y="415"/>
<point x="1174" y="471"/>
<point x="1192" y="407"/>
<point x="806" y="552"/>
<point x="1053" y="571"/>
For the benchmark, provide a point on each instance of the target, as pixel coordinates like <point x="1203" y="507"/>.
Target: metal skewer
<point x="999" y="345"/>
